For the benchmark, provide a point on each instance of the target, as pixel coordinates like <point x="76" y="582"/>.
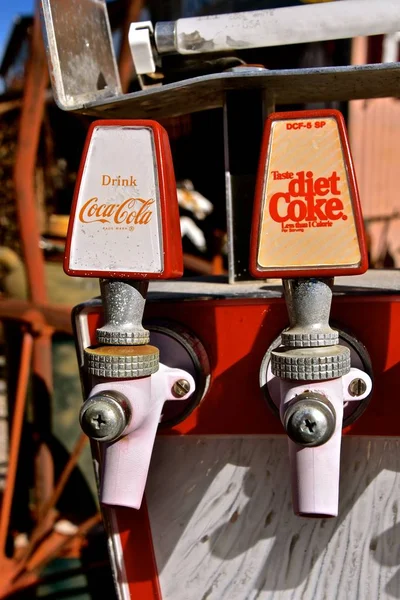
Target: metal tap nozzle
<point x="308" y="303"/>
<point x="124" y="303"/>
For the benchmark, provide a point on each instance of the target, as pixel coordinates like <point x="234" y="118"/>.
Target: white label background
<point x="119" y="248"/>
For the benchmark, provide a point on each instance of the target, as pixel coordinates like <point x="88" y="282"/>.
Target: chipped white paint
<point x="117" y="224"/>
<point x="223" y="525"/>
<point x="140" y="45"/>
<point x="287" y="25"/>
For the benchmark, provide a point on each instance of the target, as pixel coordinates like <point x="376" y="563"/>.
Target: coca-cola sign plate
<point x="124" y="190"/>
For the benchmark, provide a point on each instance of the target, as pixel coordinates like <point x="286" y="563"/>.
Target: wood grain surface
<point x="223" y="526"/>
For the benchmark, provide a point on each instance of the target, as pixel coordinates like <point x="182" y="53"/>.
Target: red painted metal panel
<point x="136" y="542"/>
<point x="237" y="333"/>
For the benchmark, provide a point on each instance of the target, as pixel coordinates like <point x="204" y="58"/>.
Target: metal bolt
<point x="181" y="388"/>
<point x="310" y="420"/>
<point x="105" y="416"/>
<point x="357" y="387"/>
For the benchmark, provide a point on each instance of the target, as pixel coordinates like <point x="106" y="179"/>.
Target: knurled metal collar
<point x="123" y="338"/>
<point x="122" y="362"/>
<point x="309" y="340"/>
<point x="310" y="364"/>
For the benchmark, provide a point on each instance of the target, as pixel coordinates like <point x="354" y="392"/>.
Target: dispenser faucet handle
<point x="307" y="219"/>
<point x="125" y="219"/>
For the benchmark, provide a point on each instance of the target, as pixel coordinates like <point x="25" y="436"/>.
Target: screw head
<point x="310" y="420"/>
<point x="357" y="387"/>
<point x="181" y="388"/>
<point x="105" y="416"/>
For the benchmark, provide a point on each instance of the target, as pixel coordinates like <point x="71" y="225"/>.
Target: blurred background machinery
<point x="40" y="149"/>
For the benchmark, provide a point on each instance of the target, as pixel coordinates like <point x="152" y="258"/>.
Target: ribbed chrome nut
<point x="309" y="340"/>
<point x="122" y="362"/>
<point x="122" y="338"/>
<point x="310" y="364"/>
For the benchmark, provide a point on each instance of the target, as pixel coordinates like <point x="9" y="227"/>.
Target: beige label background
<point x="318" y="150"/>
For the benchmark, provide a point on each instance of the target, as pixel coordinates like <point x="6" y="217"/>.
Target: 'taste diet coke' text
<point x="307" y="202"/>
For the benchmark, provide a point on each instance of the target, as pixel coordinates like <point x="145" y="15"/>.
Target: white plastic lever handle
<point x="125" y="463"/>
<point x="141" y="50"/>
<point x="316" y="471"/>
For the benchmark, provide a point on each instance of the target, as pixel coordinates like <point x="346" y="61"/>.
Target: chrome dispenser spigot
<point x="308" y="303"/>
<point x="123" y="303"/>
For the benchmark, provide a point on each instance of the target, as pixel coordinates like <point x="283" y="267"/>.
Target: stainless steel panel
<point x="80" y="52"/>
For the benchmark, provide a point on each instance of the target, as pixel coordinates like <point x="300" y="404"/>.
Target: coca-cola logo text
<point x="133" y="211"/>
<point x="316" y="201"/>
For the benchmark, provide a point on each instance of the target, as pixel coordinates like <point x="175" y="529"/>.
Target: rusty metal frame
<point x="36" y="80"/>
<point x="16" y="431"/>
<point x="39" y="320"/>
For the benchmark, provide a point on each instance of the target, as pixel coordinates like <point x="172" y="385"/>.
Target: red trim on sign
<point x="255" y="269"/>
<point x="169" y="211"/>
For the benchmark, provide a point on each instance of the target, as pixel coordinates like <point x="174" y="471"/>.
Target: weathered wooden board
<point x="223" y="526"/>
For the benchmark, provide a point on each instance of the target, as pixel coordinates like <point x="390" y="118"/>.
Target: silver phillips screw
<point x="105" y="416"/>
<point x="310" y="420"/>
<point x="181" y="388"/>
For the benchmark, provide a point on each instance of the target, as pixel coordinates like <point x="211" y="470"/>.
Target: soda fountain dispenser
<point x="124" y="229"/>
<point x="307" y="229"/>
